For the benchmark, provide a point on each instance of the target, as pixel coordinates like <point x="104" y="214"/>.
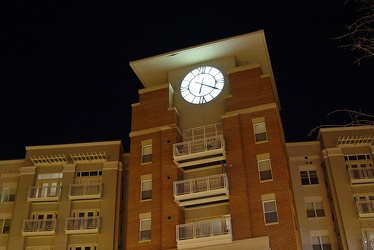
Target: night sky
<point x="65" y="74"/>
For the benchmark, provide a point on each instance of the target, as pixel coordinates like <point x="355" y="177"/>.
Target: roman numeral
<point x="202" y="70"/>
<point x="202" y="99"/>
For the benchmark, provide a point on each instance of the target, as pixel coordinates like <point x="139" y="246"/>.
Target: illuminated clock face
<point x="202" y="85"/>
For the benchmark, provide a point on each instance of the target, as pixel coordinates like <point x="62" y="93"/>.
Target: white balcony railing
<point x="204" y="233"/>
<point x="200" y="190"/>
<point x="85" y="191"/>
<point x="82" y="225"/>
<point x="43" y="193"/>
<point x="361" y="175"/>
<point x="365" y="209"/>
<point x="199" y="151"/>
<point x="39" y="227"/>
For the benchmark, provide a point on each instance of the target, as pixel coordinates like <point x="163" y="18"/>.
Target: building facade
<point x="333" y="182"/>
<point x="63" y="197"/>
<point x="208" y="166"/>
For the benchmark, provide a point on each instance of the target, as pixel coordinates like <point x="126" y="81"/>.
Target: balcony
<point x="85" y="191"/>
<point x="361" y="175"/>
<point x="82" y="225"/>
<point x="201" y="190"/>
<point x="201" y="151"/>
<point x="44" y="227"/>
<point x="37" y="194"/>
<point x="204" y="233"/>
<point x="365" y="209"/>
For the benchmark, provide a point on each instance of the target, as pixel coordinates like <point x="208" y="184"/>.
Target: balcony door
<point x="366" y="202"/>
<point x="46" y="220"/>
<point x="48" y="185"/>
<point x="88" y="218"/>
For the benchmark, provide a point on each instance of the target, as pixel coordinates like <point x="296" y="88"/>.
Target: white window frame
<point x="260" y="132"/>
<point x="260" y="164"/>
<point x="321" y="241"/>
<point x="145" y="187"/>
<point x="316" y="207"/>
<point x="146" y="154"/>
<point x="5" y="226"/>
<point x="310" y="177"/>
<point x="144" y="223"/>
<point x="271" y="211"/>
<point x="8" y="193"/>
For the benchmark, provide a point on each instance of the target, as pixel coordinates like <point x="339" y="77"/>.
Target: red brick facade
<point x="248" y="91"/>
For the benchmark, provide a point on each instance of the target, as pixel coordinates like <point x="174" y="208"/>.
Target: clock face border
<point x="202" y="85"/>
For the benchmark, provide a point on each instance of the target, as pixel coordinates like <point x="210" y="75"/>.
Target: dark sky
<point x="65" y="74"/>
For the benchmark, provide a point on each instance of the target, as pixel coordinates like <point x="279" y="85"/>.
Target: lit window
<point x="146" y="153"/>
<point x="4" y="226"/>
<point x="146" y="190"/>
<point x="8" y="194"/>
<point x="270" y="211"/>
<point x="264" y="168"/>
<point x="308" y="177"/>
<point x="314" y="209"/>
<point x="145" y="229"/>
<point x="321" y="243"/>
<point x="260" y="132"/>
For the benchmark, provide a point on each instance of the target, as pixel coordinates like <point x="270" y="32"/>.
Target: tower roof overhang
<point x="247" y="49"/>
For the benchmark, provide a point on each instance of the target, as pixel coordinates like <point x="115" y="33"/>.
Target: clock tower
<point x="208" y="166"/>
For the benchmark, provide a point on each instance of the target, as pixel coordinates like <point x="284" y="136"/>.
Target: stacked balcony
<point x="82" y="225"/>
<point x="85" y="191"/>
<point x="361" y="175"/>
<point x="201" y="190"/>
<point x="45" y="227"/>
<point x="204" y="233"/>
<point x="38" y="194"/>
<point x="199" y="152"/>
<point x="365" y="209"/>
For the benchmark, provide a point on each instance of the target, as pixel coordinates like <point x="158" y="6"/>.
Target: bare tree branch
<point x="358" y="118"/>
<point x="359" y="36"/>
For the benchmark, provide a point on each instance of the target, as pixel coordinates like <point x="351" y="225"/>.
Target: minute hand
<point x="213" y="87"/>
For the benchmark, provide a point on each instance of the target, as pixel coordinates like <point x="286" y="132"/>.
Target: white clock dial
<point x="202" y="85"/>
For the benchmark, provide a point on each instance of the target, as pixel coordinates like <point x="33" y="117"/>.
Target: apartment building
<point x="312" y="204"/>
<point x="208" y="166"/>
<point x="349" y="175"/>
<point x="333" y="183"/>
<point x="63" y="197"/>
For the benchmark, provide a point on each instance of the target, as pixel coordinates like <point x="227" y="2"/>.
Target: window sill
<point x="144" y="241"/>
<point x="266" y="180"/>
<point x="273" y="223"/>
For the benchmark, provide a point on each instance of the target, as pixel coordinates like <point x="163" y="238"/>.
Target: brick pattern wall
<point x="153" y="112"/>
<point x="249" y="90"/>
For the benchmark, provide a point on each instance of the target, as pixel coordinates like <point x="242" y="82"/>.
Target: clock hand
<point x="201" y="84"/>
<point x="209" y="86"/>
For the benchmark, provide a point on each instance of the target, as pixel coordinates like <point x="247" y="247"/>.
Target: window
<point x="270" y="211"/>
<point x="145" y="229"/>
<point x="89" y="173"/>
<point x="146" y="190"/>
<point x="260" y="132"/>
<point x="83" y="247"/>
<point x="146" y="153"/>
<point x="4" y="226"/>
<point x="321" y="243"/>
<point x="314" y="209"/>
<point x="308" y="177"/>
<point x="264" y="169"/>
<point x="8" y="194"/>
